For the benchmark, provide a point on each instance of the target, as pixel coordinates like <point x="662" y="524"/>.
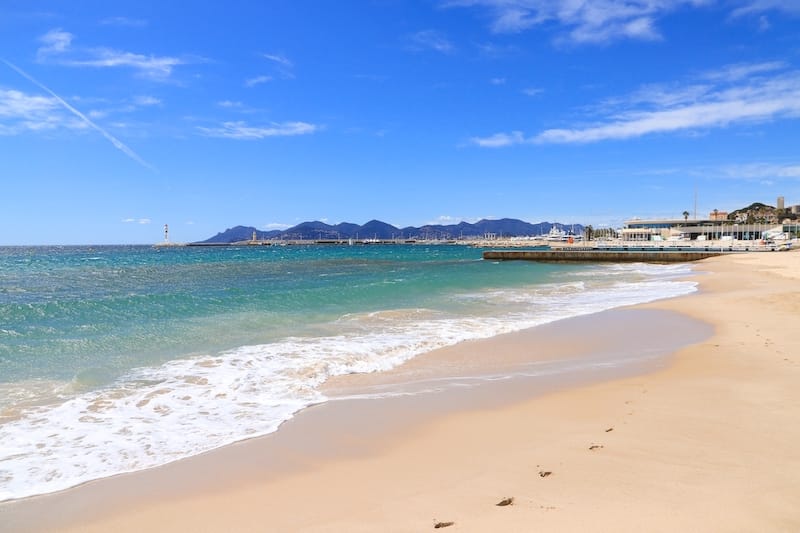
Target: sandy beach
<point x="702" y="439"/>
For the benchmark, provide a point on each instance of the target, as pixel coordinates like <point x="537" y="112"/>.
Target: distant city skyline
<point x="117" y="118"/>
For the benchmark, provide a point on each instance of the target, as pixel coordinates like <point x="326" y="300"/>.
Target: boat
<point x="557" y="234"/>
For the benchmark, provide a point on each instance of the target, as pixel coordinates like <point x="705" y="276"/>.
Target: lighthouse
<point x="166" y="233"/>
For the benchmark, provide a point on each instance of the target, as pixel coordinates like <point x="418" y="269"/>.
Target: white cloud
<point x="532" y="91"/>
<point x="229" y="104"/>
<point x="640" y="28"/>
<point x="497" y="81"/>
<point x="597" y="21"/>
<point x="449" y="220"/>
<point x="16" y="104"/>
<point x="603" y="21"/>
<point x="283" y="66"/>
<point x="23" y="112"/>
<point x="258" y="80"/>
<point x="760" y="171"/>
<point x="499" y="140"/>
<point x="280" y="59"/>
<point x="240" y="130"/>
<point x="154" y="67"/>
<point x="431" y="40"/>
<point x="136" y="220"/>
<point x="55" y="41"/>
<point x="275" y="225"/>
<point x="696" y="107"/>
<point x="658" y="95"/>
<point x="146" y="101"/>
<point x="752" y="7"/>
<point x="130" y="106"/>
<point x="741" y="71"/>
<point x="762" y="100"/>
<point x="57" y="48"/>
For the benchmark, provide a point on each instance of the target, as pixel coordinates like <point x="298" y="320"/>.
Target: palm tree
<point x="685" y="216"/>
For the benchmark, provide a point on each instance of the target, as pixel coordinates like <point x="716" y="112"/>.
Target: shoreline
<point x="402" y="448"/>
<point x="462" y="381"/>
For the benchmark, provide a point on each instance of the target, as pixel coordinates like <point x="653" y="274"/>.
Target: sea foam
<point x="152" y="416"/>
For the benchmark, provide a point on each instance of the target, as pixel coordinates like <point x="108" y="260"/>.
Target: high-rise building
<point x="780" y="203"/>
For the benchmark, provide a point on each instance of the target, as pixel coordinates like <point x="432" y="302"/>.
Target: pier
<point x="594" y="255"/>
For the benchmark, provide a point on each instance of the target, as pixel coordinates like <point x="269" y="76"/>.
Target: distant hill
<point x="375" y="229"/>
<point x="236" y="234"/>
<point x="758" y="213"/>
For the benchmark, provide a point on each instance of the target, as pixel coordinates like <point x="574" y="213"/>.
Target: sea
<point x="115" y="359"/>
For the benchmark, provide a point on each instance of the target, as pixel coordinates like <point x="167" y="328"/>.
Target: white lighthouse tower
<point x="166" y="233"/>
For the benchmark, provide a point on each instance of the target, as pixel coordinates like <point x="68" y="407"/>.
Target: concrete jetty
<point x="593" y="255"/>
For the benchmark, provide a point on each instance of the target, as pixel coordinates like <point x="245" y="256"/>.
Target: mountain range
<point x="375" y="229"/>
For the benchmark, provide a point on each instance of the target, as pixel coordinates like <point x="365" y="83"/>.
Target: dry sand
<point x="707" y="442"/>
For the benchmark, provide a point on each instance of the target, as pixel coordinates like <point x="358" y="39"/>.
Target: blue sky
<point x="119" y="117"/>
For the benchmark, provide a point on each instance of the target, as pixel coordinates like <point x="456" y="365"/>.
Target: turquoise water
<point x="115" y="359"/>
<point x="71" y="311"/>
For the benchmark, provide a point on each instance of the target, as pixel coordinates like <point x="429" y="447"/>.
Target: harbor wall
<point x="594" y="255"/>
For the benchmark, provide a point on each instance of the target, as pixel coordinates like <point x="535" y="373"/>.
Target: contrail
<point x="116" y="142"/>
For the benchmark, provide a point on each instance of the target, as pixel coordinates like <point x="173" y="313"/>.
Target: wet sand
<point x="704" y="439"/>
